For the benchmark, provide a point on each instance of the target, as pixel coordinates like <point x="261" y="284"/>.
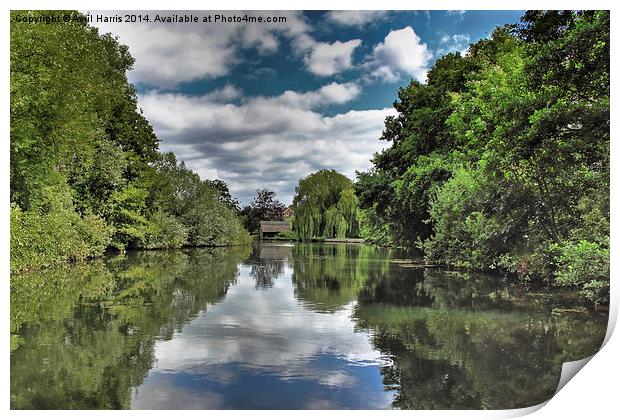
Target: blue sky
<point x="265" y="104"/>
<point x="264" y="348"/>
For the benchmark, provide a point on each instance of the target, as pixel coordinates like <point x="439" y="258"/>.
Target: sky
<point x="274" y="348"/>
<point x="262" y="105"/>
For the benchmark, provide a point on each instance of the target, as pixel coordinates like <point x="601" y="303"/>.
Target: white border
<point x="592" y="394"/>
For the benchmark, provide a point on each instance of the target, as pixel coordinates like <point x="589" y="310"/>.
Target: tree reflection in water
<point x="471" y="340"/>
<point x="85" y="336"/>
<point x="268" y="262"/>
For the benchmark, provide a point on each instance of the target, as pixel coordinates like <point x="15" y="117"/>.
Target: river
<point x="287" y="326"/>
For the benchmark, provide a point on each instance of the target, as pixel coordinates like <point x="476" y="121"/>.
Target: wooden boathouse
<point x="270" y="228"/>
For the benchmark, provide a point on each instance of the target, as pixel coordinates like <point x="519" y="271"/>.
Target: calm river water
<point x="284" y="326"/>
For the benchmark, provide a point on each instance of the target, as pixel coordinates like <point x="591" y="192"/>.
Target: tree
<point x="86" y="172"/>
<point x="265" y="206"/>
<point x="501" y="161"/>
<point x="394" y="197"/>
<point x="325" y="205"/>
<point x="224" y="195"/>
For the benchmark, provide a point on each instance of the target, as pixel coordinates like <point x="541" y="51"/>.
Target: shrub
<point x="289" y="235"/>
<point x="373" y="228"/>
<point x="211" y="223"/>
<point x="125" y="212"/>
<point x="165" y="231"/>
<point x="39" y="240"/>
<point x="465" y="236"/>
<point x="585" y="265"/>
<point x="95" y="233"/>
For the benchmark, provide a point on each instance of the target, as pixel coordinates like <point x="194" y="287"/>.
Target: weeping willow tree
<point x="325" y="205"/>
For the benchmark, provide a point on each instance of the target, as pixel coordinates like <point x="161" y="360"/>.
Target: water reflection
<point x="85" y="336"/>
<point x="328" y="277"/>
<point x="270" y="263"/>
<point x="286" y="326"/>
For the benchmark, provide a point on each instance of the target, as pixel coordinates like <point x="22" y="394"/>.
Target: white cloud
<point x="327" y="59"/>
<point x="267" y="142"/>
<point x="272" y="332"/>
<point x="401" y="52"/>
<point x="225" y="94"/>
<point x="324" y="58"/>
<point x="334" y="93"/>
<point x="355" y="17"/>
<point x="457" y="42"/>
<point x="172" y="53"/>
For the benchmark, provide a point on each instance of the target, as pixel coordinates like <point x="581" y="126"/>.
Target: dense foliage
<point x="501" y="160"/>
<point x="86" y="173"/>
<point x="325" y="206"/>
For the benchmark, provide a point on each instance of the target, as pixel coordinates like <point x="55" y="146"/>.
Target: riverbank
<point x="325" y="240"/>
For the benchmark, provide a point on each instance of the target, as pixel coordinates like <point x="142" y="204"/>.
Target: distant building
<point x="270" y="228"/>
<point x="289" y="212"/>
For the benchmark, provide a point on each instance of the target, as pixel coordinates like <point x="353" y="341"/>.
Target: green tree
<point x="86" y="172"/>
<point x="501" y="160"/>
<point x="325" y="205"/>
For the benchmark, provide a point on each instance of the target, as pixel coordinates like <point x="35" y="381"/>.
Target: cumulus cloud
<point x="355" y="17"/>
<point x="401" y="52"/>
<point x="334" y="93"/>
<point x="182" y="52"/>
<point x="324" y="58"/>
<point x="264" y="141"/>
<point x="327" y="59"/>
